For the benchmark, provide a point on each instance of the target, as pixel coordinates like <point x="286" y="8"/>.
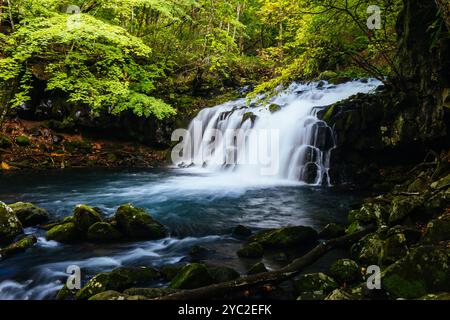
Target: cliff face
<point x="398" y="126"/>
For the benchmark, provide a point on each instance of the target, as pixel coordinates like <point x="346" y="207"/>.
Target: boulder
<point x="286" y="237"/>
<point x="257" y="268"/>
<point x="318" y="283"/>
<point x="197" y="252"/>
<point x="135" y="223"/>
<point x="103" y="231"/>
<point x="402" y="206"/>
<point x="332" y="230"/>
<point x="10" y="226"/>
<point x="223" y="274"/>
<point x="345" y="271"/>
<point x="437" y="296"/>
<point x="192" y="276"/>
<point x="29" y="214"/>
<point x="18" y="247"/>
<point x="85" y="216"/>
<point x="252" y="250"/>
<point x="118" y="280"/>
<point x="438" y="229"/>
<point x="65" y="233"/>
<point x="169" y="271"/>
<point x="149" y="293"/>
<point x="426" y="269"/>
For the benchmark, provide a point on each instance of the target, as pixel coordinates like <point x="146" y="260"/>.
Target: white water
<point x="298" y="146"/>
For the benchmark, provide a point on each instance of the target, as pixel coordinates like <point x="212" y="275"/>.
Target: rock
<point x="65" y="233"/>
<point x="197" y="252"/>
<point x="314" y="284"/>
<point x="85" y="216"/>
<point x="332" y="230"/>
<point x="118" y="280"/>
<point x="22" y="141"/>
<point x="252" y="250"/>
<point x="149" y="293"/>
<point x="114" y="295"/>
<point x="274" y="108"/>
<point x="192" y="276"/>
<point x="369" y="213"/>
<point x="103" y="231"/>
<point x="78" y="146"/>
<point x="327" y="75"/>
<point x="345" y="271"/>
<point x="438" y="229"/>
<point x="257" y="268"/>
<point x="135" y="223"/>
<point x="18" y="247"/>
<point x="442" y="183"/>
<point x="247" y="116"/>
<point x="402" y="206"/>
<point x="29" y="214"/>
<point x="10" y="226"/>
<point x="241" y="231"/>
<point x="170" y="271"/>
<point x="286" y="237"/>
<point x="310" y="173"/>
<point x="66" y="294"/>
<point x="340" y="294"/>
<point x="426" y="269"/>
<point x="438" y="296"/>
<point x="223" y="274"/>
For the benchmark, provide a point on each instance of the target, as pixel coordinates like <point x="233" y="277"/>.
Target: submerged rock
<point x="10" y="226"/>
<point x="252" y="250"/>
<point x="257" y="268"/>
<point x="66" y="233"/>
<point x="85" y="216"/>
<point x="192" y="276"/>
<point x="18" y="247"/>
<point x="345" y="271"/>
<point x="29" y="214"/>
<point x="103" y="231"/>
<point x="286" y="237"/>
<point x="137" y="224"/>
<point x="117" y="280"/>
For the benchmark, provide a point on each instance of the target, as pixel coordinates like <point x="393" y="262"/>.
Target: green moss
<point x="23" y="141"/>
<point x="10" y="226"/>
<point x="85" y="216"/>
<point x="314" y="282"/>
<point x="103" y="231"/>
<point x="66" y="233"/>
<point x="192" y="276"/>
<point x="286" y="237"/>
<point x="5" y="141"/>
<point x="403" y="288"/>
<point x="77" y="146"/>
<point x="345" y="271"/>
<point x="18" y="247"/>
<point x="329" y="114"/>
<point x="223" y="274"/>
<point x="247" y="116"/>
<point x="251" y="250"/>
<point x="29" y="214"/>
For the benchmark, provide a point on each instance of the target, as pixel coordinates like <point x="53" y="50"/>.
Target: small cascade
<point x="281" y="138"/>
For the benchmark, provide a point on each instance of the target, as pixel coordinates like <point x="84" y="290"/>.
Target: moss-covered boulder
<point x="103" y="231"/>
<point x="192" y="276"/>
<point x="252" y="250"/>
<point x="10" y="226"/>
<point x="135" y="223"/>
<point x="369" y="213"/>
<point x="426" y="269"/>
<point x="258" y="267"/>
<point x="402" y="206"/>
<point x="18" y="247"/>
<point x="66" y="294"/>
<point x="274" y="108"/>
<point x="332" y="230"/>
<point x="438" y="229"/>
<point x="170" y="271"/>
<point x="85" y="216"/>
<point x="223" y="274"/>
<point x="118" y="280"/>
<point x="318" y="283"/>
<point x="150" y="293"/>
<point x="286" y="237"/>
<point x="345" y="271"/>
<point x="29" y="214"/>
<point x="65" y="233"/>
<point x="249" y="116"/>
<point x="23" y="141"/>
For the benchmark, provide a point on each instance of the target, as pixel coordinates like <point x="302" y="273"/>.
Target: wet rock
<point x="149" y="293"/>
<point x="345" y="271"/>
<point x="252" y="250"/>
<point x="310" y="173"/>
<point x="274" y="108"/>
<point x="114" y="295"/>
<point x="257" y="268"/>
<point x="85" y="216"/>
<point x="170" y="271"/>
<point x="135" y="223"/>
<point x="18" y="247"/>
<point x="22" y="141"/>
<point x="314" y="286"/>
<point x="286" y="237"/>
<point x="103" y="231"/>
<point x="249" y="116"/>
<point x="426" y="269"/>
<point x="369" y="213"/>
<point x="192" y="276"/>
<point x="10" y="226"/>
<point x="223" y="274"/>
<point x="117" y="280"/>
<point x="404" y="206"/>
<point x="438" y="229"/>
<point x="332" y="230"/>
<point x="65" y="233"/>
<point x="29" y="214"/>
<point x="241" y="231"/>
<point x="197" y="252"/>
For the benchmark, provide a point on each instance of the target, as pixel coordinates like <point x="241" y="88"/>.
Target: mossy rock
<point x="103" y="231"/>
<point x="65" y="233"/>
<point x="318" y="283"/>
<point x="192" y="276"/>
<point x="10" y="226"/>
<point x="118" y="280"/>
<point x="257" y="268"/>
<point x="150" y="293"/>
<point x="84" y="217"/>
<point x="438" y="296"/>
<point x="170" y="271"/>
<point x="332" y="230"/>
<point x="135" y="223"/>
<point x="345" y="271"/>
<point x="426" y="269"/>
<point x="341" y="294"/>
<point x="5" y="141"/>
<point x="402" y="206"/>
<point x="19" y="246"/>
<point x="369" y="213"/>
<point x="223" y="274"/>
<point x="66" y="294"/>
<point x="252" y="250"/>
<point x="23" y="141"/>
<point x="327" y="75"/>
<point x="274" y="108"/>
<point x="249" y="116"/>
<point x="77" y="146"/>
<point x="241" y="231"/>
<point x="438" y="230"/>
<point x="286" y="237"/>
<point x="29" y="214"/>
<point x="114" y="295"/>
<point x="311" y="296"/>
<point x="441" y="183"/>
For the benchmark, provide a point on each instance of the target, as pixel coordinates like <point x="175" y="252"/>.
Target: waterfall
<point x="279" y="137"/>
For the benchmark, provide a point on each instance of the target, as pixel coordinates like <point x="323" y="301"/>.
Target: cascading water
<point x="302" y="145"/>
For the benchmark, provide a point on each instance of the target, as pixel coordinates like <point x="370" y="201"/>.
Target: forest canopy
<point x="116" y="55"/>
